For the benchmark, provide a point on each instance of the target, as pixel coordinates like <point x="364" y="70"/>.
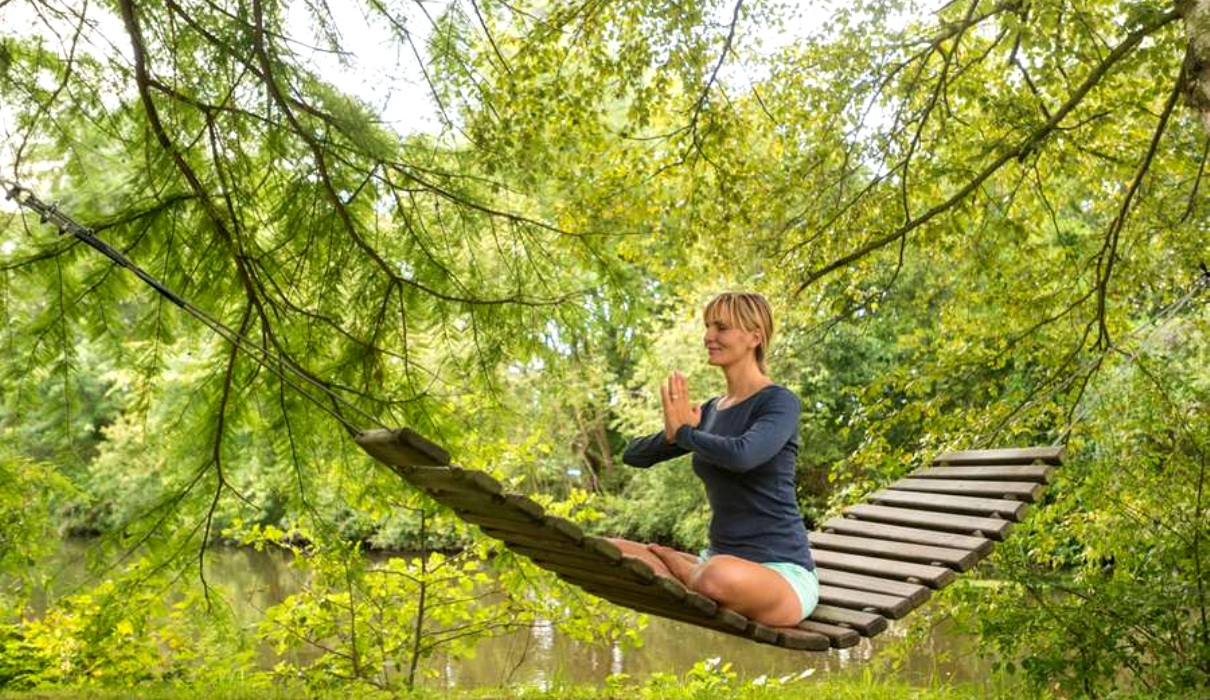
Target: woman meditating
<point x="744" y="446"/>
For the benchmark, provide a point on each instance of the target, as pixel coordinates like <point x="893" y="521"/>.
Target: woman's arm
<point x="770" y="431"/>
<point x="649" y="450"/>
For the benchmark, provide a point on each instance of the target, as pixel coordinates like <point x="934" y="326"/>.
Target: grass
<point x="674" y="689"/>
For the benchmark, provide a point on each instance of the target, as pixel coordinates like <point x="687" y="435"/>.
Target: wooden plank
<point x="1025" y="455"/>
<point x="991" y="528"/>
<point x="451" y="477"/>
<point x="653" y="592"/>
<point x="722" y="619"/>
<point x="629" y="568"/>
<point x="889" y="606"/>
<point x="509" y="505"/>
<point x="403" y="447"/>
<point x="469" y="510"/>
<point x="864" y="623"/>
<point x="539" y="528"/>
<point x="957" y="559"/>
<point x="931" y="576"/>
<point x="863" y="528"/>
<point x="592" y="545"/>
<point x="1015" y="490"/>
<point x="966" y="505"/>
<point x="455" y="480"/>
<point x="839" y="637"/>
<point x="913" y="592"/>
<point x="761" y="633"/>
<point x="1037" y="473"/>
<point x="728" y="621"/>
<point x="800" y="639"/>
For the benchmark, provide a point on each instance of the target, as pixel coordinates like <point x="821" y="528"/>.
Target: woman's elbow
<point x="633" y="458"/>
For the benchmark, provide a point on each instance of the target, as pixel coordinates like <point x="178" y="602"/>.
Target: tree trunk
<point x="1196" y="14"/>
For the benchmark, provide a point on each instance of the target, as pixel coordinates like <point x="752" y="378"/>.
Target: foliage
<point x="29" y="494"/>
<point x="1123" y="542"/>
<point x="122" y="631"/>
<point x="375" y="622"/>
<point x="959" y="213"/>
<point x="692" y="684"/>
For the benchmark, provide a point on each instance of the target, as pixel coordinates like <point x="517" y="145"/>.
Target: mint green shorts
<point x="805" y="582"/>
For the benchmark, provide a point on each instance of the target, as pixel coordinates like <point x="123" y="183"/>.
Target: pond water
<point x="541" y="655"/>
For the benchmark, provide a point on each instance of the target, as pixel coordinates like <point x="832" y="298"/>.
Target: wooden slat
<point x="1037" y="473"/>
<point x="991" y="528"/>
<point x="720" y="618"/>
<point x="728" y="621"/>
<point x="723" y="620"/>
<point x="1016" y="490"/>
<point x="652" y="593"/>
<point x="1026" y="455"/>
<point x="455" y="478"/>
<point x="629" y="571"/>
<point x="761" y="633"/>
<point x="487" y="506"/>
<point x="480" y="513"/>
<point x="866" y="624"/>
<point x="966" y="505"/>
<point x="863" y="528"/>
<point x="892" y="607"/>
<point x="931" y="576"/>
<point x="916" y="593"/>
<point x="627" y="567"/>
<point x="957" y="559"/>
<point x="594" y="545"/>
<point x="839" y="637"/>
<point x="402" y="447"/>
<point x="802" y="640"/>
<point x="559" y="526"/>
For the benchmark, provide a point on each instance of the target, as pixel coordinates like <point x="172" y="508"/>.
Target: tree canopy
<point x="981" y="223"/>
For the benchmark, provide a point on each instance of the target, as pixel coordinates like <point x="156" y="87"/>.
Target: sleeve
<point x="649" y="450"/>
<point x="772" y="427"/>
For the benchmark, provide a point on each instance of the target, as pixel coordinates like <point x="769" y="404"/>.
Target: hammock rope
<point x="275" y="362"/>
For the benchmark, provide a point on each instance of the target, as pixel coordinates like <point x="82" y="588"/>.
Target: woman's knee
<point x="715" y="580"/>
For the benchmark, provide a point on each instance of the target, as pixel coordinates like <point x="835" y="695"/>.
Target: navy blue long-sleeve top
<point x="745" y="455"/>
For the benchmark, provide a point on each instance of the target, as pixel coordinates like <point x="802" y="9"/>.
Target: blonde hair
<point x="748" y="310"/>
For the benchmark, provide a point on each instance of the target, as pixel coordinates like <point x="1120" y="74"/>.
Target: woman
<point x="744" y="446"/>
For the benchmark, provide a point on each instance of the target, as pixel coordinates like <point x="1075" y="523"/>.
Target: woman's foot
<point x="681" y="565"/>
<point x="640" y="551"/>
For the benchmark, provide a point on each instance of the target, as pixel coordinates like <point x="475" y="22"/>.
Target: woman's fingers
<point x="682" y="387"/>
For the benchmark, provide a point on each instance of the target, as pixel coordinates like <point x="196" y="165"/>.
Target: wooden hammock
<point x="879" y="562"/>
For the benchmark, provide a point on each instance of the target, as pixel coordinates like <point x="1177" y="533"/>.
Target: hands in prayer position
<point x="678" y="411"/>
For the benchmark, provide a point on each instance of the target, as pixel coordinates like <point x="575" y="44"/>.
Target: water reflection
<point x="541" y="657"/>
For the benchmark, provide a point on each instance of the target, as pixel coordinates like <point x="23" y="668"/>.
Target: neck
<point x="744" y="378"/>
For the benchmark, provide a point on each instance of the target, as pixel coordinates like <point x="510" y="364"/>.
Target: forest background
<point x="981" y="223"/>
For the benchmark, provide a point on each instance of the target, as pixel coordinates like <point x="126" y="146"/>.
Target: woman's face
<point x="726" y="342"/>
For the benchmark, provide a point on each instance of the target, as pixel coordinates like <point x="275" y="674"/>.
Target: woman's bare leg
<point x="754" y="591"/>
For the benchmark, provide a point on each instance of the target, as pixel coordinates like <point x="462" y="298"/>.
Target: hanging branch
<point x="1108" y="254"/>
<point x="1024" y="147"/>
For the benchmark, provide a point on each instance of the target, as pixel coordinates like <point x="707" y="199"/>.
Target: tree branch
<point x="1023" y="148"/>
